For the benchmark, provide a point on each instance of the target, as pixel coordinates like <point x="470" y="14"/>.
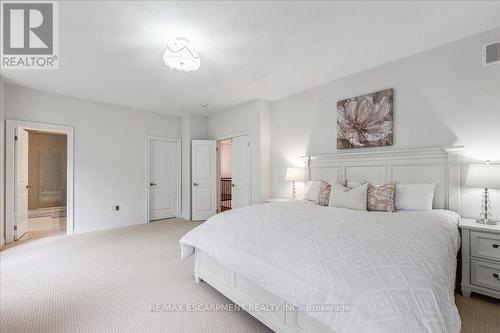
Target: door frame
<point x="150" y="138"/>
<point x="10" y="188"/>
<point x="250" y="169"/>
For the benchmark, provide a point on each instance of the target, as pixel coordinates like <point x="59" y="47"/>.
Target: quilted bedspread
<point x="395" y="272"/>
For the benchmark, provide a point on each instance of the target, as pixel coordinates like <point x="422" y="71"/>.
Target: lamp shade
<point x="295" y="174"/>
<point x="483" y="176"/>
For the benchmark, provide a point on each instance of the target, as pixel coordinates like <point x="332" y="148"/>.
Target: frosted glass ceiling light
<point x="181" y="56"/>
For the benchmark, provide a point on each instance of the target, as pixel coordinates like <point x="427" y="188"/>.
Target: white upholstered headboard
<point x="405" y="166"/>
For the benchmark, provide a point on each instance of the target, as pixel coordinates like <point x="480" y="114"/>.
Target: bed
<point x="300" y="267"/>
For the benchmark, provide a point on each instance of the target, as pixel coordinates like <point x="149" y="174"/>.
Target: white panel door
<point x="21" y="180"/>
<point x="204" y="179"/>
<point x="240" y="171"/>
<point x="163" y="177"/>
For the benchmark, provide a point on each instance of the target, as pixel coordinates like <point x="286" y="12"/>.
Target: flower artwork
<point x="365" y="121"/>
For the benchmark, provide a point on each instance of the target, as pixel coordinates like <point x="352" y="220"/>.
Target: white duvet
<point x="396" y="271"/>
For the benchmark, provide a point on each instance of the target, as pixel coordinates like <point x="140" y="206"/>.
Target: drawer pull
<point x="495" y="275"/>
<point x="495" y="246"/>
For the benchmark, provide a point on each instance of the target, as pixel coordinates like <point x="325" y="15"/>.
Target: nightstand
<point x="480" y="258"/>
<point x="278" y="200"/>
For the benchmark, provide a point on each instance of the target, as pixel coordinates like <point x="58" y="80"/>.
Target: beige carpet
<point x="107" y="282"/>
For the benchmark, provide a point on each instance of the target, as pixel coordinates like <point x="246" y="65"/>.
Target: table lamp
<point x="294" y="175"/>
<point x="486" y="176"/>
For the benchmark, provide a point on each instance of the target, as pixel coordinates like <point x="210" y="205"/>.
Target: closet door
<point x="241" y="171"/>
<point x="204" y="179"/>
<point x="163" y="177"/>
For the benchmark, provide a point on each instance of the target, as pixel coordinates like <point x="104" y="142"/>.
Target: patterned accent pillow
<point x="324" y="193"/>
<point x="325" y="197"/>
<point x="381" y="197"/>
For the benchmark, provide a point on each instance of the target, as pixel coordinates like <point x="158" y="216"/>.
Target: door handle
<point x="29" y="186"/>
<point x="232" y="185"/>
<point x="152" y="184"/>
<point x="195" y="184"/>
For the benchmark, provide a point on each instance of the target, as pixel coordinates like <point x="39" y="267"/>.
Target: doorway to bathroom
<point x="39" y="181"/>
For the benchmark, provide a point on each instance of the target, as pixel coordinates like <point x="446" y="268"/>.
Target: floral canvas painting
<point x="365" y="121"/>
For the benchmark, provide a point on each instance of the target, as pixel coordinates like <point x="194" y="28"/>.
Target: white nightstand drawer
<point x="485" y="245"/>
<point x="485" y="274"/>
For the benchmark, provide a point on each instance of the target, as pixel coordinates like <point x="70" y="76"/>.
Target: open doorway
<point x="41" y="158"/>
<point x="225" y="153"/>
<point x="47" y="159"/>
<point x="234" y="172"/>
<point x="39" y="181"/>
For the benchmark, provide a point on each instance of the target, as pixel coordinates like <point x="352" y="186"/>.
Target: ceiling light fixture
<point x="181" y="56"/>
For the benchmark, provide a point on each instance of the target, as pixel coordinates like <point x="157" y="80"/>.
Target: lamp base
<point x="485" y="210"/>
<point x="486" y="221"/>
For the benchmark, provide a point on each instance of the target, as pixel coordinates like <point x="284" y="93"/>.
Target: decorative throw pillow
<point x="414" y="196"/>
<point x="352" y="185"/>
<point x="312" y="190"/>
<point x="381" y="197"/>
<point x="324" y="193"/>
<point x="335" y="185"/>
<point x="345" y="197"/>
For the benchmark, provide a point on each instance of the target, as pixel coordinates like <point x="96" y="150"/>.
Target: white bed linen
<point x="395" y="270"/>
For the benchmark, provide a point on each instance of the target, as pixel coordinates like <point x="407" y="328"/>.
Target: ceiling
<point x="111" y="51"/>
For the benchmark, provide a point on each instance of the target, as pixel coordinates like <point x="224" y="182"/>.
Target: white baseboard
<point x="107" y="226"/>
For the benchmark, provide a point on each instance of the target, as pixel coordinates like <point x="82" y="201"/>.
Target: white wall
<point x="199" y="127"/>
<point x="186" y="168"/>
<point x="109" y="152"/>
<point x="2" y="164"/>
<point x="265" y="152"/>
<point x="252" y="118"/>
<point x="442" y="97"/>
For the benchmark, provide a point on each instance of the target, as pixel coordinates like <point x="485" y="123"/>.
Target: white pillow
<point x="312" y="190"/>
<point x="414" y="196"/>
<point x="344" y="197"/>
<point x="352" y="185"/>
